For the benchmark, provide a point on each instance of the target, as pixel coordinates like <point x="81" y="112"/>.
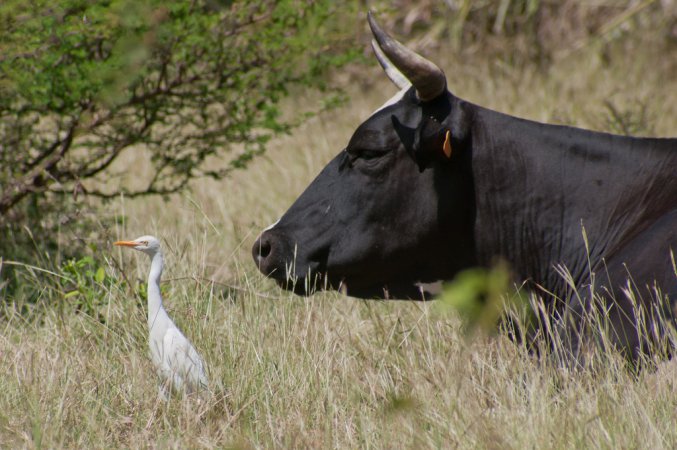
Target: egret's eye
<point x="145" y="243"/>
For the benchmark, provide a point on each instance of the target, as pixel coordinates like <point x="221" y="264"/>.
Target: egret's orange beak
<point x="126" y="243"/>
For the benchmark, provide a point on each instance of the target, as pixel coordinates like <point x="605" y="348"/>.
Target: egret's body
<point x="179" y="365"/>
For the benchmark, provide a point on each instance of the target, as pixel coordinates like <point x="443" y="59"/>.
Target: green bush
<point x="82" y="81"/>
<point x="197" y="85"/>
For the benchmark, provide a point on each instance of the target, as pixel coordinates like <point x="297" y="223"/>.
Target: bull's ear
<point x="428" y="142"/>
<point x="407" y="135"/>
<point x="433" y="142"/>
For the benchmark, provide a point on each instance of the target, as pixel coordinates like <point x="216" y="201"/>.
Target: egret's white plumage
<point x="174" y="357"/>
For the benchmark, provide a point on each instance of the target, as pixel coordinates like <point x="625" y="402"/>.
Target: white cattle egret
<point x="178" y="363"/>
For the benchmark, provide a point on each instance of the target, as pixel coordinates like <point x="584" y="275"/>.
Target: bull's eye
<point x="366" y="158"/>
<point x="371" y="154"/>
<point x="365" y="154"/>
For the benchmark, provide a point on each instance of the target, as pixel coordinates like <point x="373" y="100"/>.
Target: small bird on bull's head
<point x="179" y="365"/>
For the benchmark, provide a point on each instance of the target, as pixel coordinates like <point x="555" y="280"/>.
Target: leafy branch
<point x="82" y="83"/>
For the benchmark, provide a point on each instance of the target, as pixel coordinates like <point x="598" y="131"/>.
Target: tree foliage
<point x="83" y="81"/>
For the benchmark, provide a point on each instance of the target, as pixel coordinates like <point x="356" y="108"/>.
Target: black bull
<point x="431" y="184"/>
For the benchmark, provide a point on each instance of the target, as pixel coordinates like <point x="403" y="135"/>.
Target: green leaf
<point x="100" y="275"/>
<point x="480" y="296"/>
<point x="71" y="294"/>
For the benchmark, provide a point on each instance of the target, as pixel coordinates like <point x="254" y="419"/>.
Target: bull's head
<point x="393" y="211"/>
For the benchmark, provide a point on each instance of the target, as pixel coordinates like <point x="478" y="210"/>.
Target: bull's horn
<point x="391" y="71"/>
<point x="427" y="78"/>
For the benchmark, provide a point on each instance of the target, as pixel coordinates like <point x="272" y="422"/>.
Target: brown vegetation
<point x="331" y="371"/>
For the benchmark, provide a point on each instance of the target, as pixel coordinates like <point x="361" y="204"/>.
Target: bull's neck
<point x="537" y="188"/>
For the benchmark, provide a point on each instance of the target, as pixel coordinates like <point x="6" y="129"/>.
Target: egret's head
<point x="150" y="245"/>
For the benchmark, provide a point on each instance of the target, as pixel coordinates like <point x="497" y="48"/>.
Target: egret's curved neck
<point x="155" y="307"/>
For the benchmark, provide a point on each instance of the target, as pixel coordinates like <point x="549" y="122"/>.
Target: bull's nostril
<point x="264" y="248"/>
<point x="266" y="253"/>
<point x="262" y="251"/>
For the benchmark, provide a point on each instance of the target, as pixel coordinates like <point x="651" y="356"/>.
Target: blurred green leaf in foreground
<point x="482" y="296"/>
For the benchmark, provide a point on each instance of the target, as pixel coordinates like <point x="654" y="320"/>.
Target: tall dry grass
<point x="329" y="371"/>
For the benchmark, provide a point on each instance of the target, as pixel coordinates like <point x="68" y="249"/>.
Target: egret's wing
<point x="184" y="361"/>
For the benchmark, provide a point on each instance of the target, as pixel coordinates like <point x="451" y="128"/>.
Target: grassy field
<point x="326" y="371"/>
